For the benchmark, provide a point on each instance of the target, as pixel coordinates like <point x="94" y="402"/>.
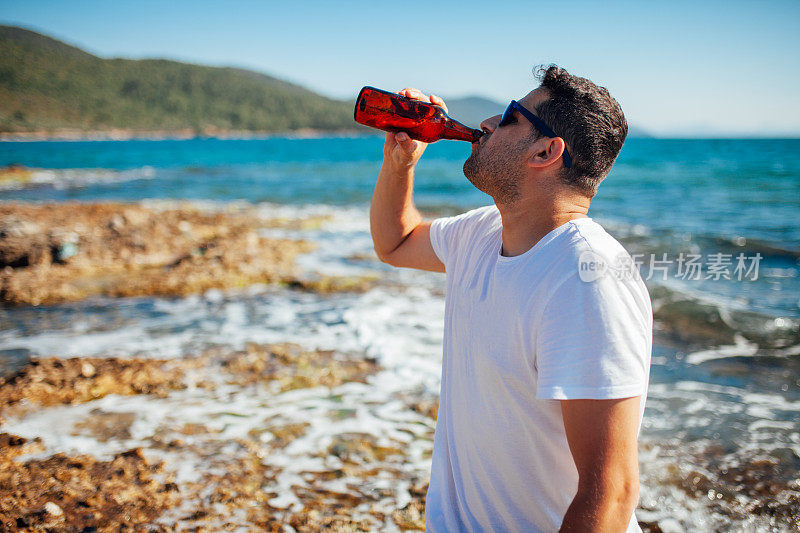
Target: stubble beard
<point x="494" y="175"/>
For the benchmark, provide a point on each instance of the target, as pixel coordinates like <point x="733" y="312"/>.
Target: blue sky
<point x="678" y="68"/>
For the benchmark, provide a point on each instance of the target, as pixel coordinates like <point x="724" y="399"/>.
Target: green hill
<point x="48" y="85"/>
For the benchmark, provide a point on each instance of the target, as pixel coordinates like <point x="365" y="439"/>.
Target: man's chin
<point x="470" y="167"/>
<point x="471" y="173"/>
<point x="467" y="170"/>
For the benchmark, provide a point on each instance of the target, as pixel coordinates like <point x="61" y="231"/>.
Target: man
<point x="547" y="344"/>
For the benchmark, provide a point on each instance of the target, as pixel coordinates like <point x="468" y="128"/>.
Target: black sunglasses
<point x="508" y="117"/>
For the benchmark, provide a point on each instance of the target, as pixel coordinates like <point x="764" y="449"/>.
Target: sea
<point x="713" y="227"/>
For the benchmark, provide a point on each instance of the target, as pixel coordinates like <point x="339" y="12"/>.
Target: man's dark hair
<point x="589" y="120"/>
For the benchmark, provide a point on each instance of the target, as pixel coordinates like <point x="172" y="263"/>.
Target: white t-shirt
<point x="567" y="319"/>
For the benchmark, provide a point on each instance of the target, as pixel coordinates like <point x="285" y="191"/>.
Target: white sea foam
<point x="741" y="348"/>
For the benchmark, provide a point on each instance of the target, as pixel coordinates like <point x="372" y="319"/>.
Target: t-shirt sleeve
<point x="594" y="340"/>
<point x="447" y="232"/>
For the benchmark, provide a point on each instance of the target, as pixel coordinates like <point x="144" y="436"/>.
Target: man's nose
<point x="490" y="124"/>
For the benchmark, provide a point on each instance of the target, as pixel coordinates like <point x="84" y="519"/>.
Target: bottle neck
<point x="456" y="131"/>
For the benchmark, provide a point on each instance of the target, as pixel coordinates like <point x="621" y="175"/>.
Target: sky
<point x="678" y="68"/>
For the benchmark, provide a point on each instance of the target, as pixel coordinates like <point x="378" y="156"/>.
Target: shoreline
<point x="172" y="135"/>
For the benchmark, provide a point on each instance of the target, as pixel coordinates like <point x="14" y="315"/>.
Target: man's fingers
<point x="438" y="101"/>
<point x="416" y="94"/>
<point x="406" y="143"/>
<point x="411" y="91"/>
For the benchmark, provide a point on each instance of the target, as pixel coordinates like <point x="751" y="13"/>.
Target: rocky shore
<point x="55" y="253"/>
<point x="51" y="253"/>
<point x="138" y="486"/>
<point x="237" y="482"/>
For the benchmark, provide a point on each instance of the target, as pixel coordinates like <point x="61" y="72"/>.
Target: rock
<point x="105" y="426"/>
<point x="87" y="370"/>
<point x="360" y="448"/>
<point x="12" y="226"/>
<point x="13" y="360"/>
<point x="136" y="217"/>
<point x="117" y="222"/>
<point x="294" y="367"/>
<point x="13" y="446"/>
<point x="427" y="406"/>
<point x="410" y="517"/>
<point x="53" y="509"/>
<point x="66" y="250"/>
<point x="25" y="251"/>
<point x="334" y="284"/>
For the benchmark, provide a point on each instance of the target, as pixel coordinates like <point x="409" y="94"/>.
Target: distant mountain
<point x="46" y="84"/>
<point x="471" y="110"/>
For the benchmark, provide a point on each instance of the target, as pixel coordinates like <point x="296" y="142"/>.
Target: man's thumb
<point x="405" y="141"/>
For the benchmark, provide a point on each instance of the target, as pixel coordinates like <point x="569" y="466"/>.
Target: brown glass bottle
<point x="422" y="121"/>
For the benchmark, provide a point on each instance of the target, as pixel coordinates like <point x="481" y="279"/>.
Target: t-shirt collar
<point x="541" y="243"/>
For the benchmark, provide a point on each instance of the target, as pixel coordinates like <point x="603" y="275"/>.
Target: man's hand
<point x="400" y="152"/>
<point x="400" y="236"/>
<point x="602" y="438"/>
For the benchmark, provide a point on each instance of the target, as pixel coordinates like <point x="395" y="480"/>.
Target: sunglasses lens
<point x="507" y="114"/>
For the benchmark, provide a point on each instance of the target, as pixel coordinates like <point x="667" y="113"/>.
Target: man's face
<point x="497" y="163"/>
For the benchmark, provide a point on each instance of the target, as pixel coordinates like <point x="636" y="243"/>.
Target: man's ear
<point x="545" y="152"/>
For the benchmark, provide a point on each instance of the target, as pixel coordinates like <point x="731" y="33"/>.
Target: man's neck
<point x="525" y="223"/>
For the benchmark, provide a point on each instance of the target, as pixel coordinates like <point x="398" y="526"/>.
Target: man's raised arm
<point x="400" y="236"/>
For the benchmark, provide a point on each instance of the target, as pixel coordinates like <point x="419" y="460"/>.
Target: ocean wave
<point x="755" y="245"/>
<point x="711" y="321"/>
<point x="15" y="178"/>
<point x="642" y="238"/>
<point x="740" y="348"/>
